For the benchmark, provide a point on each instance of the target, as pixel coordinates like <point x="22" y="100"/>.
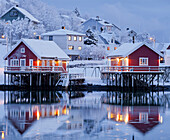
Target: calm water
<point x="39" y="115"/>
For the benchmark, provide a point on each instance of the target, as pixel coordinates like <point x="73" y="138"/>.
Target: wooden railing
<point x="35" y="69"/>
<point x="73" y="75"/>
<point x="130" y="68"/>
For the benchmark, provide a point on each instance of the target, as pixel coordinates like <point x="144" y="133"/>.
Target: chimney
<point x="63" y="27"/>
<point x="97" y="18"/>
<point x="17" y="5"/>
<point x="133" y="39"/>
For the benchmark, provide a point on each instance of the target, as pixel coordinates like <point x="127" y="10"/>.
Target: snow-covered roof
<point x="63" y="32"/>
<point x="24" y="12"/>
<point x="68" y="17"/>
<point x="42" y="49"/>
<point x="127" y="48"/>
<point x="102" y="22"/>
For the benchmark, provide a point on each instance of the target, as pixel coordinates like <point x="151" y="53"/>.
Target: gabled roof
<point x="42" y="49"/>
<point x="24" y="12"/>
<point x="127" y="48"/>
<point x="63" y="32"/>
<point x="103" y="22"/>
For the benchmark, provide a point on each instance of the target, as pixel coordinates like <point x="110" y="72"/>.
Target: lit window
<point x="75" y="38"/>
<point x="108" y="48"/>
<point x="80" y="38"/>
<point x="22" y="50"/>
<point x="143" y="61"/>
<point x="71" y="47"/>
<point x="79" y="48"/>
<point x="50" y="38"/>
<point x="69" y="37"/>
<point x="115" y="48"/>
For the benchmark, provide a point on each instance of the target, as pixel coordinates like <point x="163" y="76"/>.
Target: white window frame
<point x="22" y="50"/>
<point x="143" y="116"/>
<point x="80" y="38"/>
<point x="143" y="58"/>
<point x="69" y="38"/>
<point x="71" y="46"/>
<point x="75" y="38"/>
<point x="31" y="60"/>
<point x="12" y="62"/>
<point x="20" y="62"/>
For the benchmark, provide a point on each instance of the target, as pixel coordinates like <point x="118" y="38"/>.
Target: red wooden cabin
<point x="138" y="56"/>
<point x="36" y="55"/>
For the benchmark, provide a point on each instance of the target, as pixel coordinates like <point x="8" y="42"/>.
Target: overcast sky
<point x="151" y="16"/>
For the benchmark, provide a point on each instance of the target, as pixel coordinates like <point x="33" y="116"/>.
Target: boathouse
<point x="132" y="61"/>
<point x="30" y="57"/>
<point x="135" y="54"/>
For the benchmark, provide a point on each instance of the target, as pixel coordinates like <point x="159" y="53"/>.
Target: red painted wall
<point x="153" y="58"/>
<point x="16" y="54"/>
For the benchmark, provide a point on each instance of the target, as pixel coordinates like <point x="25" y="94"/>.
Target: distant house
<point x="164" y="48"/>
<point x="100" y="25"/>
<point x="134" y="54"/>
<point x="108" y="42"/>
<point x="16" y="12"/>
<point x="69" y="41"/>
<point x="27" y="54"/>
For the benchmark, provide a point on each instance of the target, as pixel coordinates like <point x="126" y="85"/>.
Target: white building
<point x="69" y="41"/>
<point x="99" y="25"/>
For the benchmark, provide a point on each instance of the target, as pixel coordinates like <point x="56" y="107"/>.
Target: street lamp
<point x="5" y="37"/>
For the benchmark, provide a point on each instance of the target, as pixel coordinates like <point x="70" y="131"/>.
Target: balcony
<point x="34" y="69"/>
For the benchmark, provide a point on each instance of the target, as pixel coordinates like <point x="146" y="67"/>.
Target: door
<point x="22" y="64"/>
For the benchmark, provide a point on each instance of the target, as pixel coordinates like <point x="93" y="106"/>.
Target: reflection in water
<point x="143" y="118"/>
<point x="44" y="115"/>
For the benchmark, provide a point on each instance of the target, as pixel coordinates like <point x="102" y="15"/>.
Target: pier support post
<point x="4" y="79"/>
<point x="50" y="79"/>
<point x="40" y="80"/>
<point x="30" y="79"/>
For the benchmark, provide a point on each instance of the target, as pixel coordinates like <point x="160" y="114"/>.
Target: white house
<point x="164" y="48"/>
<point x="71" y="42"/>
<point x="100" y="25"/>
<point x="108" y="41"/>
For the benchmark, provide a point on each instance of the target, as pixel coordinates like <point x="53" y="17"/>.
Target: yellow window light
<point x="3" y="135"/>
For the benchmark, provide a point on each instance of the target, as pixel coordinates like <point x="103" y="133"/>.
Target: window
<point x="13" y="13"/>
<point x="143" y="117"/>
<point x="75" y="38"/>
<point x="143" y="61"/>
<point x="94" y="27"/>
<point x="22" y="50"/>
<point x="79" y="48"/>
<point x="108" y="48"/>
<point x="111" y="40"/>
<point x="14" y="62"/>
<point x="22" y="62"/>
<point x="31" y="62"/>
<point x="115" y="48"/>
<point x="71" y="47"/>
<point x="80" y="38"/>
<point x="50" y="38"/>
<point x="69" y="37"/>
